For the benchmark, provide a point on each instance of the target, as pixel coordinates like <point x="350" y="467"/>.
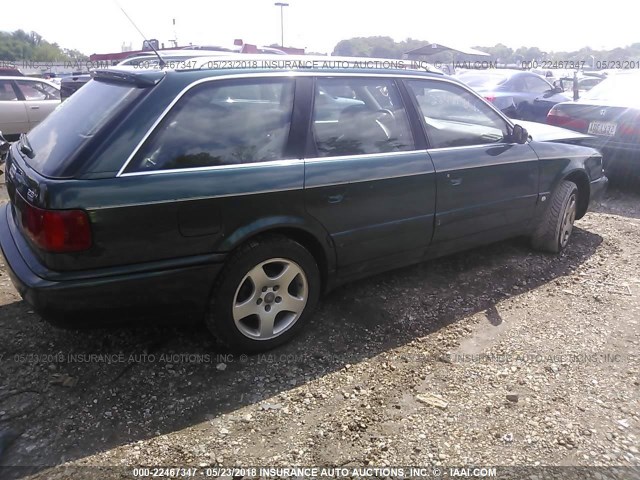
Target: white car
<point x="25" y="102"/>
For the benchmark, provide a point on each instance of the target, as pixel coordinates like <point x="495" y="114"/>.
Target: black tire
<point x="236" y="290"/>
<point x="556" y="225"/>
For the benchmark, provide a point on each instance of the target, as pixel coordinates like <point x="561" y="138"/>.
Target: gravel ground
<point x="498" y="356"/>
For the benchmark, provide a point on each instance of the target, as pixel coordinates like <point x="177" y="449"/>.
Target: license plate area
<point x="605" y="129"/>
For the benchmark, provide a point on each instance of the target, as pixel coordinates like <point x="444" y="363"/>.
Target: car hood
<point x="541" y="132"/>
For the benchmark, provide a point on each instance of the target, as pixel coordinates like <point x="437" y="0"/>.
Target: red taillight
<point x="629" y="130"/>
<point x="57" y="230"/>
<point x="560" y="118"/>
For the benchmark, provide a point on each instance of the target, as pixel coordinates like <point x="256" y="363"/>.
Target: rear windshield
<point x="476" y="81"/>
<point x="74" y="122"/>
<point x="620" y="89"/>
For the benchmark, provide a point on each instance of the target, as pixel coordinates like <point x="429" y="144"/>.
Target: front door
<point x="487" y="185"/>
<point x="13" y="114"/>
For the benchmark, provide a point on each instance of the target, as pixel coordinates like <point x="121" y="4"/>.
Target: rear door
<point x="40" y="99"/>
<point x="487" y="186"/>
<point x="13" y="113"/>
<point x="368" y="178"/>
<point x="216" y="168"/>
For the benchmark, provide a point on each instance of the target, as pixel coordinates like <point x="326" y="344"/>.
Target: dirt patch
<point x="535" y="356"/>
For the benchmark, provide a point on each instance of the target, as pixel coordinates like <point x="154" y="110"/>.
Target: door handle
<point x="35" y="107"/>
<point x="455" y="181"/>
<point x="335" y="198"/>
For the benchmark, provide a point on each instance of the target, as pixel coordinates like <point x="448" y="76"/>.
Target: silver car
<point x="25" y="102"/>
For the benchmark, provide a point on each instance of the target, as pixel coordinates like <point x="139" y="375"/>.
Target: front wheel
<point x="556" y="225"/>
<point x="265" y="294"/>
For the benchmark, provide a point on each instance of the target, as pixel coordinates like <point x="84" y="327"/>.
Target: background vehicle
<point x="10" y="72"/>
<point x="215" y="48"/>
<point x="24" y="103"/>
<point x="520" y="95"/>
<point x="259" y="192"/>
<point x="71" y="84"/>
<point x="610" y="112"/>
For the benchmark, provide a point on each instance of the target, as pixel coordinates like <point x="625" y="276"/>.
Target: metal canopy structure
<point x="433" y="48"/>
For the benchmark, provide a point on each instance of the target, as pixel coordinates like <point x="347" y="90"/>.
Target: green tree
<point x="20" y="45"/>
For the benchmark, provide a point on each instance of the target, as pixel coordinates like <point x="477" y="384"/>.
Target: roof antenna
<point x="161" y="62"/>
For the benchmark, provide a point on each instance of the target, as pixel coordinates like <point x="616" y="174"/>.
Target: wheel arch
<point x="312" y="237"/>
<point x="581" y="179"/>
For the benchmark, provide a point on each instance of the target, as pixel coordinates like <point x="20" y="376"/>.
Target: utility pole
<point x="281" y="5"/>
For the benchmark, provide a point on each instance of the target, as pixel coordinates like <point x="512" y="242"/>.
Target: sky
<point x="101" y="27"/>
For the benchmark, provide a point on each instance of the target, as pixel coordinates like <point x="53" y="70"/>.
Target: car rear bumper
<point x="622" y="161"/>
<point x="135" y="293"/>
<point x="619" y="158"/>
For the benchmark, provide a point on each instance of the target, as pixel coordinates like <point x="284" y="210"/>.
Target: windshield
<point x="75" y="121"/>
<point x="622" y="89"/>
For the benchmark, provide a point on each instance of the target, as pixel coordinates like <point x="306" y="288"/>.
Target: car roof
<point x="215" y="48"/>
<point x="499" y="72"/>
<point x="310" y="62"/>
<point x="29" y="79"/>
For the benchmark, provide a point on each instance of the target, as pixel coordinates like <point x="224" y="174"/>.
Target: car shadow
<point x="69" y="394"/>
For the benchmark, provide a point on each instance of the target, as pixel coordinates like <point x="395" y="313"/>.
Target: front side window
<point x="454" y="117"/>
<point x="355" y="116"/>
<point x="37" y="90"/>
<point x="536" y="85"/>
<point x="222" y="123"/>
<point x="7" y="93"/>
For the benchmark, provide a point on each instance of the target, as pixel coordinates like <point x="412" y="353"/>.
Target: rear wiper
<point x="25" y="146"/>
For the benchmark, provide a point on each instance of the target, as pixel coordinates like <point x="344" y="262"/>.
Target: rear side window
<point x="37" y="90"/>
<point x="75" y="121"/>
<point x="221" y="123"/>
<point x="355" y="116"/>
<point x="7" y="93"/>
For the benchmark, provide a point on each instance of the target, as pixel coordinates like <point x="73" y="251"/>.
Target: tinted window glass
<point x="37" y="90"/>
<point x="7" y="93"/>
<point x="517" y="84"/>
<point x="222" y="123"/>
<point x="57" y="138"/>
<point x="454" y="117"/>
<point x="536" y="85"/>
<point x="355" y="116"/>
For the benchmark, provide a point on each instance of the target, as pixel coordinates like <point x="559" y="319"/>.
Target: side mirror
<point x="4" y="148"/>
<point x="519" y="135"/>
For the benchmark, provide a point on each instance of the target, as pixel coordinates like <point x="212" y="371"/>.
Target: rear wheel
<point x="556" y="225"/>
<point x="266" y="293"/>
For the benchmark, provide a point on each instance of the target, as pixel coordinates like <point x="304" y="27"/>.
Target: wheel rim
<point x="567" y="221"/>
<point x="270" y="299"/>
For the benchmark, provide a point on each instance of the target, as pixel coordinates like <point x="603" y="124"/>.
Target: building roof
<point x="433" y="48"/>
